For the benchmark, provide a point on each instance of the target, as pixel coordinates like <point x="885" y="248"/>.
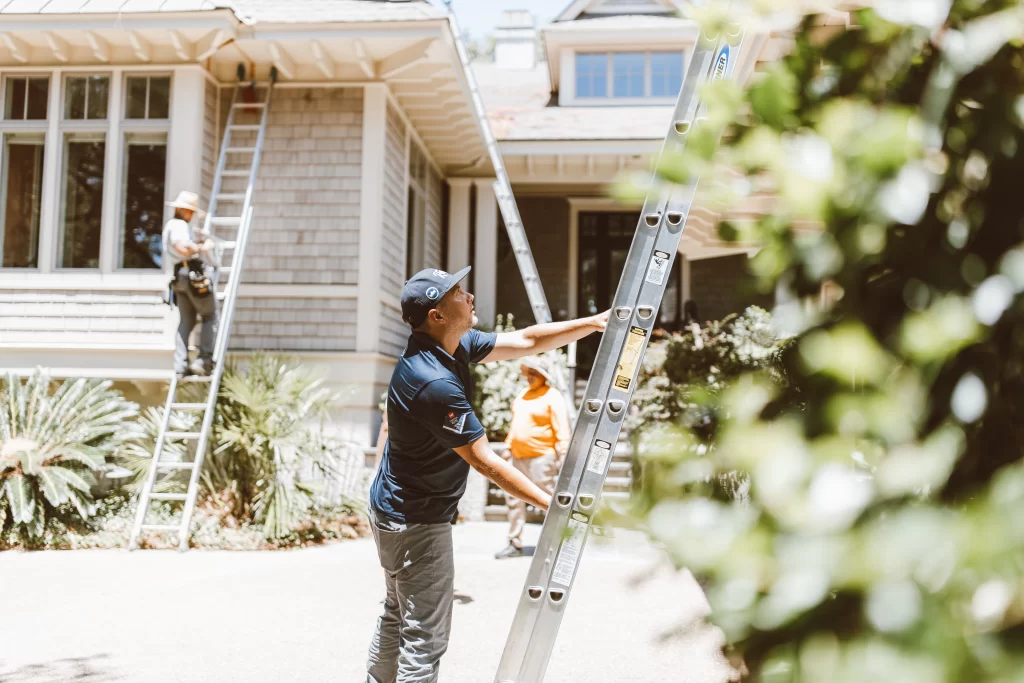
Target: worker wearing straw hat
<point x="188" y="263"/>
<point x="538" y="438"/>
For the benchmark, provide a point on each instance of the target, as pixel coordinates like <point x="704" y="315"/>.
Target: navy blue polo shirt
<point x="421" y="479"/>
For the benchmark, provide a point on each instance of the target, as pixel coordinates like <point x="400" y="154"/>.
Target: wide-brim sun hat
<point x="187" y="200"/>
<point x="540" y="365"/>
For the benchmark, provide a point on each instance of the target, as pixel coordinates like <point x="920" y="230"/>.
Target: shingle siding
<point x="393" y="332"/>
<point x="279" y="323"/>
<point x="432" y="251"/>
<point x="210" y="143"/>
<point x="124" y="319"/>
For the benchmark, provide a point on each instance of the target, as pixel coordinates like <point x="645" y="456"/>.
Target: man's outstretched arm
<point x="485" y="461"/>
<point x="540" y="338"/>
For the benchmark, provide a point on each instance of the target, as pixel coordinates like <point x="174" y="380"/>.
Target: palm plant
<point x="51" y="443"/>
<point x="272" y="455"/>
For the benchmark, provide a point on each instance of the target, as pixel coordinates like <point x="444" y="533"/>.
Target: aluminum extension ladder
<point x="241" y="225"/>
<point x="510" y="216"/>
<point x="612" y="381"/>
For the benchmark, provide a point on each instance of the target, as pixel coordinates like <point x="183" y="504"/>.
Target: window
<point x="633" y="75"/>
<point x="666" y="74"/>
<point x="147" y="97"/>
<point x="591" y="75"/>
<point x="23" y="171"/>
<point x="25" y="99"/>
<point x="628" y="68"/>
<point x="141" y="231"/>
<point x="83" y="202"/>
<point x="85" y="97"/>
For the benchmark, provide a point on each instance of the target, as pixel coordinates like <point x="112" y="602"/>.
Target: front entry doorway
<point x="604" y="241"/>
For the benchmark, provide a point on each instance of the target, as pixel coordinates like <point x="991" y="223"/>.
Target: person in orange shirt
<point x="538" y="439"/>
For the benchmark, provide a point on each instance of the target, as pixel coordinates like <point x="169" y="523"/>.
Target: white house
<point x="374" y="166"/>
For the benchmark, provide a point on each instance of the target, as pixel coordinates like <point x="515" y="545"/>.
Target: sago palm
<point x="51" y="443"/>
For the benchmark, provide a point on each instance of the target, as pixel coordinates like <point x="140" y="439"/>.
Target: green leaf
<point x="53" y="485"/>
<point x="773" y="98"/>
<point x="21" y="498"/>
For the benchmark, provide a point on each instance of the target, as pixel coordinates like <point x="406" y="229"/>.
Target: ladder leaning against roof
<point x="577" y="494"/>
<point x="510" y="215"/>
<point x="239" y="157"/>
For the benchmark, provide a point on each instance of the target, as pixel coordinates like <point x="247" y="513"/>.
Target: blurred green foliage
<point x="883" y="536"/>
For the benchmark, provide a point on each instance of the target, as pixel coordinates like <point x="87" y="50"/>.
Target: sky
<point x="479" y="17"/>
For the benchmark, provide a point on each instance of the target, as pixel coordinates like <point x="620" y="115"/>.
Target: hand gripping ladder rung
<point x="227" y="312"/>
<point x="510" y="215"/>
<point x="610" y="388"/>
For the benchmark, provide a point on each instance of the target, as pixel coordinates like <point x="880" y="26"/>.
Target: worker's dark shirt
<point x="421" y="479"/>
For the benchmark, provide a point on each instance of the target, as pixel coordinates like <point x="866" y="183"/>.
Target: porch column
<point x="458" y="224"/>
<point x="371" y="218"/>
<point x="485" y="260"/>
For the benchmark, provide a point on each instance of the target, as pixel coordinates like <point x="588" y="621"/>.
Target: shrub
<point x="51" y="444"/>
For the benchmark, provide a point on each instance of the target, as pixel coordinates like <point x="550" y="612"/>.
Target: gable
<point x="581" y="9"/>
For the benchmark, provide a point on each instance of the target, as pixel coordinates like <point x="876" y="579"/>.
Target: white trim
<point x="511" y="148"/>
<point x="128" y="21"/>
<point x="49" y="212"/>
<point x="110" y="212"/>
<point x="125" y="280"/>
<point x="187" y="117"/>
<point x="576" y="205"/>
<point x="405" y="192"/>
<point x="685" y="288"/>
<point x="371" y="216"/>
<point x="485" y="275"/>
<point x="458" y="223"/>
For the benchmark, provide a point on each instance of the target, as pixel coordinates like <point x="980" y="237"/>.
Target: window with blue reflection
<point x="628" y="72"/>
<point x="591" y="75"/>
<point x="666" y="74"/>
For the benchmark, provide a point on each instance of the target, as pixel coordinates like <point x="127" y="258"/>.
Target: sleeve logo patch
<point x="453" y="422"/>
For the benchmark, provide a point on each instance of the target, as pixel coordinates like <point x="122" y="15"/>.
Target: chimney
<point x="515" y="38"/>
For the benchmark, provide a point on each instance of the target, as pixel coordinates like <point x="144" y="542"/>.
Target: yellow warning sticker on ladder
<point x="569" y="553"/>
<point x="630" y="358"/>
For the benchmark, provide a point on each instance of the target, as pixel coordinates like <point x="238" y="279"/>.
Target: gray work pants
<point x="190" y="307"/>
<point x="419" y="571"/>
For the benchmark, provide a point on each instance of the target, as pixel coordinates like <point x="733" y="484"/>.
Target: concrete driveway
<point x="307" y="615"/>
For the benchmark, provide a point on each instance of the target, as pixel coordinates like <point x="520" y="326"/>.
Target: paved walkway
<point x="307" y="615"/>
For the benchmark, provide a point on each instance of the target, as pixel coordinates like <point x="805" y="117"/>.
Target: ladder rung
<point x="196" y="378"/>
<point x="229" y="244"/>
<point x="226" y="220"/>
<point x="240" y="150"/>
<point x="183" y="435"/>
<point x="168" y="496"/>
<point x="231" y="196"/>
<point x="160" y="527"/>
<point x="245" y="126"/>
<point x="236" y="174"/>
<point x="249" y="105"/>
<point x="175" y="465"/>
<point x="224" y="270"/>
<point x="188" y="406"/>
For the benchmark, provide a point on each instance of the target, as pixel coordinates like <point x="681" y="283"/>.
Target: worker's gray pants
<point x="191" y="306"/>
<point x="419" y="571"/>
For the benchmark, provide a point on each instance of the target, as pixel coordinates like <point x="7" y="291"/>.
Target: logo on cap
<point x="433" y="293"/>
<point x="440" y="273"/>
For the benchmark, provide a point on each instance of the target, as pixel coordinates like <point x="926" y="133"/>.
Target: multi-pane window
<point x="25" y="98"/>
<point x="145" y="164"/>
<point x="147" y="97"/>
<point x="82" y="211"/>
<point x="631" y="75"/>
<point x="21" y="192"/>
<point x="666" y="74"/>
<point x="591" y="75"/>
<point x="85" y="97"/>
<point x="628" y="71"/>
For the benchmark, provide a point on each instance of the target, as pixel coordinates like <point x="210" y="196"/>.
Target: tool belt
<point x="200" y="277"/>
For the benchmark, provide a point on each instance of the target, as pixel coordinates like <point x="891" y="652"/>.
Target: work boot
<point x="510" y="551"/>
<point x="200" y="368"/>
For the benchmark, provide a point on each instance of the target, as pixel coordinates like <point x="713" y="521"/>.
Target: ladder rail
<point x="223" y="334"/>
<point x="510" y="213"/>
<point x="609" y="390"/>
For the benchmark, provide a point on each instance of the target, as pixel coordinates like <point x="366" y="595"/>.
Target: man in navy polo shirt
<point x="433" y="439"/>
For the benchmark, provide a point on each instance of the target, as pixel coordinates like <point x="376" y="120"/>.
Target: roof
<point x="579" y="8"/>
<point x="628" y="22"/>
<point x="520" y="106"/>
<point x="250" y="11"/>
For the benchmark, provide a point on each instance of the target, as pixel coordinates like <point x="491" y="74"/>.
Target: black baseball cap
<point x="424" y="289"/>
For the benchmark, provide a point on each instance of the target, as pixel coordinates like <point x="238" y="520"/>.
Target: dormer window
<point x="623" y="77"/>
